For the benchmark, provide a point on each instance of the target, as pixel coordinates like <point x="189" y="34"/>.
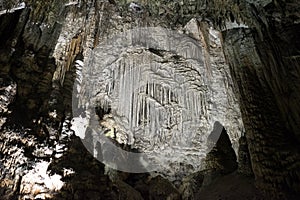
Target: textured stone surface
<point x="221" y="159"/>
<point x="44" y="45"/>
<point x="249" y="70"/>
<point x="160" y="188"/>
<point x="244" y="159"/>
<point x="75" y="40"/>
<point x="231" y="186"/>
<point x="162" y="93"/>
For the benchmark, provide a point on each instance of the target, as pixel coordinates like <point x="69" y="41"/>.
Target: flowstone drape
<point x="159" y="93"/>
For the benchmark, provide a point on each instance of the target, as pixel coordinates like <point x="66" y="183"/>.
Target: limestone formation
<point x="195" y="62"/>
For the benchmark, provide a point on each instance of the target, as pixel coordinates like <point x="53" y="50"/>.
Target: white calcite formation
<point x="161" y="92"/>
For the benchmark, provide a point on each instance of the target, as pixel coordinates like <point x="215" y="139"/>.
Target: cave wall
<point x="258" y="106"/>
<point x="49" y="45"/>
<point x="35" y="138"/>
<point x="264" y="63"/>
<point x="262" y="50"/>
